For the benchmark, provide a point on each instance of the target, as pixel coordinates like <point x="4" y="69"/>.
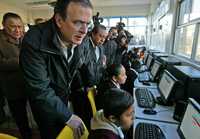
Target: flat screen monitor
<point x="190" y="125"/>
<point x="149" y="60"/>
<point x="166" y="84"/>
<point x="155" y="68"/>
<point x="145" y="57"/>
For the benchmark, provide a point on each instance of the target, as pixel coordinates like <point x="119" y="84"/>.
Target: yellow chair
<point x="67" y="133"/>
<point x="91" y="95"/>
<point x="6" y="136"/>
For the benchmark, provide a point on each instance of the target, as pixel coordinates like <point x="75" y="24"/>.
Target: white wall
<point x="29" y="15"/>
<point x="4" y="8"/>
<point x="141" y="10"/>
<point x="104" y="11"/>
<point x="40" y="13"/>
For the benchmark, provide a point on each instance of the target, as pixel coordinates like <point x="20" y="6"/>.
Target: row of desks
<point x="163" y="118"/>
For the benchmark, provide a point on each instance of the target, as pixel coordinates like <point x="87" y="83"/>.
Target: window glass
<point x="195" y="10"/>
<point x="198" y="49"/>
<point x="126" y="28"/>
<point x="137" y="21"/>
<point x="105" y="22"/>
<point x="184" y="41"/>
<point x="184" y="12"/>
<point x="155" y="42"/>
<point x="135" y="25"/>
<point x="139" y="37"/>
<point x="125" y="21"/>
<point x="114" y="21"/>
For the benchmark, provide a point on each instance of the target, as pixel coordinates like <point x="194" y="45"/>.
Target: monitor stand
<point x="161" y="101"/>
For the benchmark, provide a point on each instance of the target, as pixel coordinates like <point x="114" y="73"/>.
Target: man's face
<point x="13" y="27"/>
<point x="114" y="33"/>
<point x="99" y="37"/>
<point x="74" y="27"/>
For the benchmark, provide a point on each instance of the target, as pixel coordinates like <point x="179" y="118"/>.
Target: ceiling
<point x="101" y="3"/>
<point x="97" y="3"/>
<point x="40" y="8"/>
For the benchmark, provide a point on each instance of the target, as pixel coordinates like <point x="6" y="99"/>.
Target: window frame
<point x="195" y="22"/>
<point x="174" y="48"/>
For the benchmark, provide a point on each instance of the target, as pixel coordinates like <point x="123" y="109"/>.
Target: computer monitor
<point x="166" y="85"/>
<point x="155" y="68"/>
<point x="190" y="125"/>
<point x="149" y="60"/>
<point x="145" y="57"/>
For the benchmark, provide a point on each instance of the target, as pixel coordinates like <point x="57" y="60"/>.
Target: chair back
<point x="6" y="136"/>
<point x="91" y="94"/>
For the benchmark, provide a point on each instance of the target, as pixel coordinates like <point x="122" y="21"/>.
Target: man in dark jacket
<point x="11" y="79"/>
<point x="96" y="59"/>
<point x="2" y="111"/>
<point x="110" y="46"/>
<point x="91" y="71"/>
<point x="49" y="66"/>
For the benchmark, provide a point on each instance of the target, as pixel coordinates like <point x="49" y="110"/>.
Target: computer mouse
<point x="149" y="111"/>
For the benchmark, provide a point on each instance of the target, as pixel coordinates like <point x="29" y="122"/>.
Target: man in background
<point x="91" y="71"/>
<point x="11" y="79"/>
<point x="111" y="46"/>
<point x="96" y="59"/>
<point x="2" y="104"/>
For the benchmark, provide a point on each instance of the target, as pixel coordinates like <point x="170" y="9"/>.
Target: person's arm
<point x="34" y="68"/>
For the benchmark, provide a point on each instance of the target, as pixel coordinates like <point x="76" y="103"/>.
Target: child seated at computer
<point x="117" y="115"/>
<point x="114" y="77"/>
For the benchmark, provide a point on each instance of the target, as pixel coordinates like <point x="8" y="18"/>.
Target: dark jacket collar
<point x="43" y="37"/>
<point x="49" y="41"/>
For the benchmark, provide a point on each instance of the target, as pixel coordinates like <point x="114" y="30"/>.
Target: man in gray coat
<point x="46" y="60"/>
<point x="11" y="79"/>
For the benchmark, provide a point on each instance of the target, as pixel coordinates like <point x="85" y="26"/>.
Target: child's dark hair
<point x="113" y="70"/>
<point x="116" y="102"/>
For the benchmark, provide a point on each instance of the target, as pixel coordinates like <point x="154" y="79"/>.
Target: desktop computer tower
<point x="151" y="51"/>
<point x="167" y="64"/>
<point x="168" y="61"/>
<point x="158" y="55"/>
<point x="179" y="111"/>
<point x="189" y="79"/>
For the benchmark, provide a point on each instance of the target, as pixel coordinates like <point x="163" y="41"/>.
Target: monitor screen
<point x="166" y="84"/>
<point x="190" y="125"/>
<point x="149" y="60"/>
<point x="145" y="57"/>
<point x="155" y="68"/>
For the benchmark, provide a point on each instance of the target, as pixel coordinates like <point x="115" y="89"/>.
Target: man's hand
<point x="75" y="123"/>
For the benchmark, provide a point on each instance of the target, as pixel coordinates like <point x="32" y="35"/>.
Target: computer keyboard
<point x="144" y="98"/>
<point x="148" y="131"/>
<point x="144" y="76"/>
